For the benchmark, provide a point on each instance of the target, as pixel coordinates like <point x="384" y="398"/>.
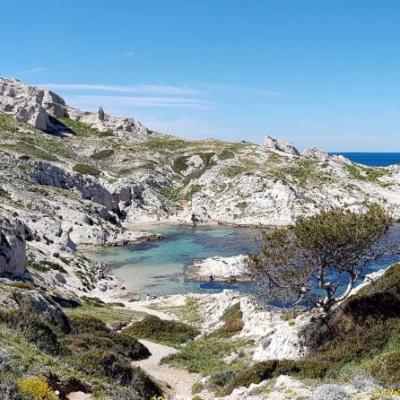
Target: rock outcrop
<point x="315" y="152"/>
<point x="219" y="269"/>
<point x="41" y="108"/>
<point x="30" y="104"/>
<point x="280" y="146"/>
<point x="13" y="235"/>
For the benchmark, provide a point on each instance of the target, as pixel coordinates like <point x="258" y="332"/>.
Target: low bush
<point x="233" y="322"/>
<point x="33" y="328"/>
<point x="172" y="333"/>
<point x="87" y="324"/>
<point x="89" y="333"/>
<point x="117" y="368"/>
<point x="36" y="388"/>
<point x="86" y="169"/>
<point x="103" y="154"/>
<point x="304" y="369"/>
<point x="386" y="369"/>
<point x="205" y="355"/>
<point x="107" y="363"/>
<point x="179" y="164"/>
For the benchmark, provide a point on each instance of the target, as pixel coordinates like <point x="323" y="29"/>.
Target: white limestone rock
<point x="220" y="268"/>
<point x="316" y="153"/>
<point x="280" y="146"/>
<point x="36" y="106"/>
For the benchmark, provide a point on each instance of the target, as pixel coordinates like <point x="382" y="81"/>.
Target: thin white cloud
<point x="29" y="71"/>
<point x="128" y="54"/>
<point x="90" y="102"/>
<point x="160" y="90"/>
<point x="247" y="90"/>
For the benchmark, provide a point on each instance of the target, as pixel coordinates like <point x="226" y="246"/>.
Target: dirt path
<point x="142" y="307"/>
<point x="177" y="383"/>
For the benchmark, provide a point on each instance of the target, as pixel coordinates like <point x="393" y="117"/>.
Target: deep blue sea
<point x="373" y="159"/>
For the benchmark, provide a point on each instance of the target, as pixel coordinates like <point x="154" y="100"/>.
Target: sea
<point x="372" y="159"/>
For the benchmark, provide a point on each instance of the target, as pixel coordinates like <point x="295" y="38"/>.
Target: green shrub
<point x="89" y="333"/>
<point x="107" y="363"/>
<point x="168" y="332"/>
<point x="179" y="164"/>
<point x="7" y="123"/>
<point x="162" y="143"/>
<point x="233" y="322"/>
<point x="86" y="324"/>
<point x="79" y="128"/>
<point x="233" y="170"/>
<point x="86" y="169"/>
<point x="33" y="328"/>
<point x="386" y="368"/>
<point x="361" y="173"/>
<point x="305" y="369"/>
<point x="4" y="194"/>
<point x="207" y="157"/>
<point x="103" y="154"/>
<point x="117" y="368"/>
<point x="226" y="154"/>
<point x="193" y="189"/>
<point x="205" y="355"/>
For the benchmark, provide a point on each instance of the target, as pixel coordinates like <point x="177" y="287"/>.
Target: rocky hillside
<point x="138" y="174"/>
<point x="71" y="179"/>
<point x="75" y="178"/>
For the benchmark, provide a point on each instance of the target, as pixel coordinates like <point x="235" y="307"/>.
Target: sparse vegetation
<point x="112" y="316"/>
<point x="368" y="174"/>
<point x="205" y="355"/>
<point x="82" y="129"/>
<point x="233" y="322"/>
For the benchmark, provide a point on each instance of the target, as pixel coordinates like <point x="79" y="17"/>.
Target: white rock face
<point x="280" y="146"/>
<point x="315" y="152"/>
<point x="220" y="268"/>
<point x="276" y="337"/>
<point x="12" y="248"/>
<point x="30" y="104"/>
<point x="36" y="106"/>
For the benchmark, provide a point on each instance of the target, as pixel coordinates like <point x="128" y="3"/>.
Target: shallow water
<point x="156" y="268"/>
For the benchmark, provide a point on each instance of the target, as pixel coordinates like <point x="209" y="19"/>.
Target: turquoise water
<point x="156" y="268"/>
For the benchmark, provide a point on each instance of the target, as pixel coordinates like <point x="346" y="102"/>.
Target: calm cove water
<point x="156" y="268"/>
<point x="373" y="159"/>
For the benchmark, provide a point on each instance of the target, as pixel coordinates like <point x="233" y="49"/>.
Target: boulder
<point x="13" y="235"/>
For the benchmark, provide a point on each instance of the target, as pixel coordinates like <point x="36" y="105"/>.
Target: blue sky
<point x="315" y="72"/>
